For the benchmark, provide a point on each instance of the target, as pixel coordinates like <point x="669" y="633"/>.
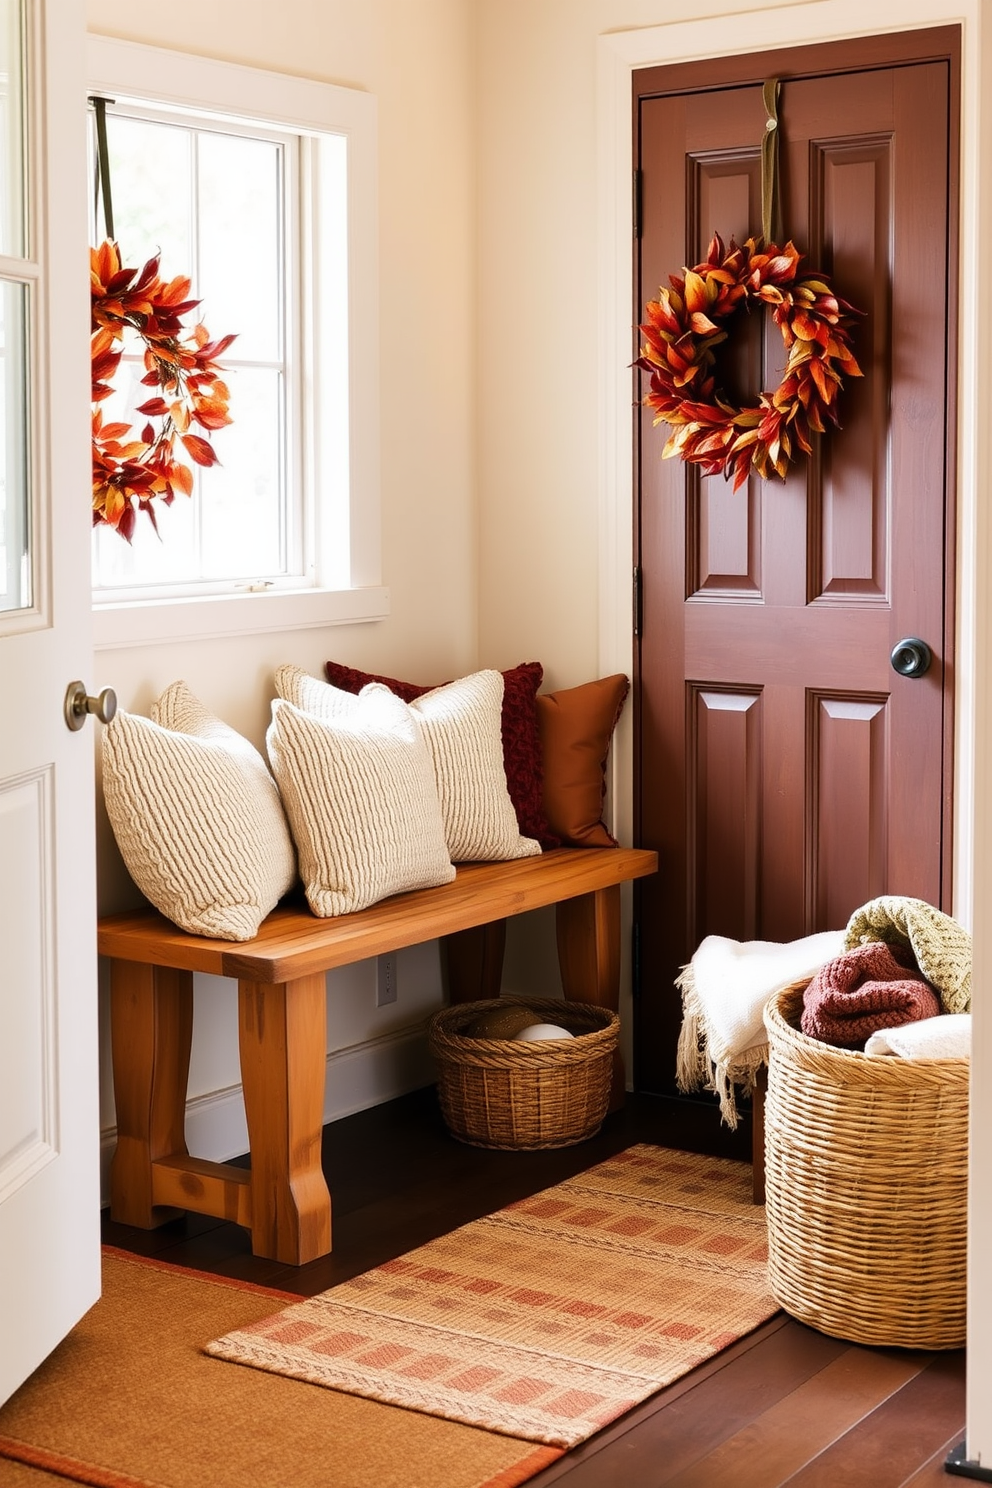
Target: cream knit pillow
<point x="462" y="724"/>
<point x="359" y="793"/>
<point x="197" y="817"/>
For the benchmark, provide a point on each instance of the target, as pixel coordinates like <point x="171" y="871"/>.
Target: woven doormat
<point x="130" y="1400"/>
<point x="549" y="1318"/>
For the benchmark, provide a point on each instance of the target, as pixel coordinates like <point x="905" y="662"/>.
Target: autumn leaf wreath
<point x="688" y="321"/>
<point x="133" y="471"/>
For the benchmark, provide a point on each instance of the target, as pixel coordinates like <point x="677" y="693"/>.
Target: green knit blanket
<point x="941" y="946"/>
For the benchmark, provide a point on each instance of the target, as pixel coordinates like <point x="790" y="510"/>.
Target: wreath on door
<point x="688" y="321"/>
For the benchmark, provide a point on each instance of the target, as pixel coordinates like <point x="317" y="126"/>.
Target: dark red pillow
<point x="521" y="739"/>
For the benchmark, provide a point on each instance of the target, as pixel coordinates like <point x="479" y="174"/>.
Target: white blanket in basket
<point x="724" y="990"/>
<point x="946" y="1037"/>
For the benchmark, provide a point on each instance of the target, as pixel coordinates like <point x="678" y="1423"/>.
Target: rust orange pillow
<point x="576" y="726"/>
<point x="521" y="743"/>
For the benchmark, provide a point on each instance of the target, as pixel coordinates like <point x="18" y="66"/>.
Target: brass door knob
<point x="78" y="705"/>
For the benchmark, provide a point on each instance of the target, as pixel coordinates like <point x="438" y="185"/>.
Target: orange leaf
<point x="696" y="297"/>
<point x="182" y="476"/>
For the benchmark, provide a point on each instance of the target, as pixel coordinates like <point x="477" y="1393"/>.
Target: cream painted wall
<point x="539" y="380"/>
<point x="419" y="62"/>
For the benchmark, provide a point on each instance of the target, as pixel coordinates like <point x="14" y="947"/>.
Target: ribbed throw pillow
<point x="461" y="724"/>
<point x="359" y="792"/>
<point x="521" y="741"/>
<point x="197" y="817"/>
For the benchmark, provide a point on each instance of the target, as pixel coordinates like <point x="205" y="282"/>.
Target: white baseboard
<point x="358" y="1076"/>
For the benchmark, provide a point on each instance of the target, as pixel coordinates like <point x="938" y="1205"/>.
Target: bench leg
<point x="589" y="958"/>
<point x="151" y="1031"/>
<point x="474" y="960"/>
<point x="283" y="1040"/>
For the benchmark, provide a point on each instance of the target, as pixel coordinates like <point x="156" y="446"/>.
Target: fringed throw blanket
<point x="724" y="991"/>
<point x="727" y="984"/>
<point x="870" y="987"/>
<point x="941" y="946"/>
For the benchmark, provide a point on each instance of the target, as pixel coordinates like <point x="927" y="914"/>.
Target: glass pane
<point x="168" y="557"/>
<point x="240" y="222"/>
<point x="213" y="203"/>
<point x="15" y="531"/>
<point x="12" y="110"/>
<point x="242" y="511"/>
<point x="231" y="527"/>
<point x="151" y="188"/>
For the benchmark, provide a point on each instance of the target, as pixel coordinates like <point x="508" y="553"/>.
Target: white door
<point x="49" y="1123"/>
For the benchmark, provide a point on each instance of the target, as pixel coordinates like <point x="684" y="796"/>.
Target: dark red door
<point x="784" y="771"/>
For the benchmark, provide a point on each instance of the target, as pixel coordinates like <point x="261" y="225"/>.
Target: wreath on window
<point x="688" y="321"/>
<point x="132" y="472"/>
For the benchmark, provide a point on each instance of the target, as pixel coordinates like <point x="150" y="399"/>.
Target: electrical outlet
<point x="385" y="979"/>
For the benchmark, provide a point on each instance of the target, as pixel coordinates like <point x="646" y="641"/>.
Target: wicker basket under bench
<point x="866" y="1184"/>
<point x="283" y="1198"/>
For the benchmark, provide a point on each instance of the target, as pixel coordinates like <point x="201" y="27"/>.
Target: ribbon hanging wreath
<point x="687" y="322"/>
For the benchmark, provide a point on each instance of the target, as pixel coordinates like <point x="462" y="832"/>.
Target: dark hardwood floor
<point x="785" y="1405"/>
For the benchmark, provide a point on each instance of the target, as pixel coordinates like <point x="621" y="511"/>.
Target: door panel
<point x="847" y="790"/>
<point x="784" y="772"/>
<point x="28" y="1133"/>
<point x="724" y="792"/>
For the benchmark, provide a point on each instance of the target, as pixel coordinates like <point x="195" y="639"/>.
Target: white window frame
<point x="347" y="535"/>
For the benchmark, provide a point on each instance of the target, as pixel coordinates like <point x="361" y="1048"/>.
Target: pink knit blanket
<point x="873" y="986"/>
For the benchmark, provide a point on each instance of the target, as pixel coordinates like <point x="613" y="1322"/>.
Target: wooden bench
<point x="283" y="1199"/>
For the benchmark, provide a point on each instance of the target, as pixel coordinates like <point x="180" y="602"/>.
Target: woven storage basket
<point x="866" y="1187"/>
<point x="512" y="1094"/>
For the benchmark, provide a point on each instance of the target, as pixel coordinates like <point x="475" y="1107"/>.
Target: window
<point x="261" y="187"/>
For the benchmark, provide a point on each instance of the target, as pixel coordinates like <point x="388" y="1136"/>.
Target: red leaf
<point x="202" y="452"/>
<point x="126" y="524"/>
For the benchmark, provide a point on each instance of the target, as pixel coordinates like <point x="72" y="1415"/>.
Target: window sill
<point x="165" y="622"/>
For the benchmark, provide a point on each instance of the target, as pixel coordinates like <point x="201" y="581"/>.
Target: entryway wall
<point x="418" y="61"/>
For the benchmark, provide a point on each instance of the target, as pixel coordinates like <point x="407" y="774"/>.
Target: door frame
<point x="619" y="54"/>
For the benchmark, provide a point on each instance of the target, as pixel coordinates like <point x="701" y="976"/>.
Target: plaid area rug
<point x="551" y="1317"/>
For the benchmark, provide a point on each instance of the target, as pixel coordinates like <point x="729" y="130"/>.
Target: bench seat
<point x="281" y="974"/>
